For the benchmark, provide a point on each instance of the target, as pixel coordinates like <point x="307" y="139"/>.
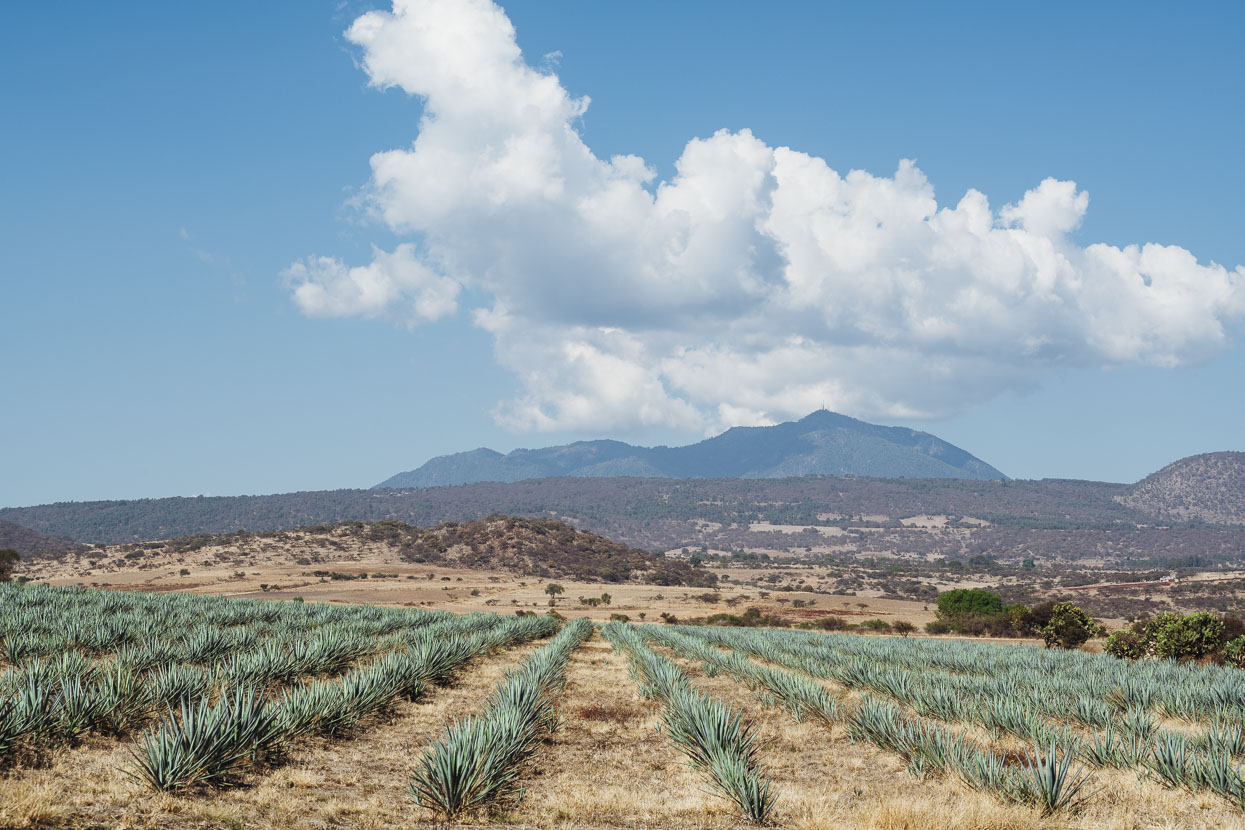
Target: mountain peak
<point x="821" y="443"/>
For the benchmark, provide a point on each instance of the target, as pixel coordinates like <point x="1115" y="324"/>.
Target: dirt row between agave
<point x="825" y="781"/>
<point x="609" y="767"/>
<point x="358" y="781"/>
<point x="606" y="767"/>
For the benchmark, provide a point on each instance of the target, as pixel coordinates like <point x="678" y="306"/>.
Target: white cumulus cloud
<point x="393" y="284"/>
<point x="755" y="285"/>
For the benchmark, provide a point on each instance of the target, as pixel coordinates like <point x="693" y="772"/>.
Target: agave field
<point x="955" y="708"/>
<point x="204" y="697"/>
<point x="205" y="687"/>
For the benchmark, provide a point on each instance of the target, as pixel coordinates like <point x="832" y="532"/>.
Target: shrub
<point x="1169" y="635"/>
<point x="1234" y="652"/>
<point x="938" y="627"/>
<point x="1125" y="644"/>
<point x="1233" y="627"/>
<point x="749" y="619"/>
<point x="903" y="628"/>
<point x="968" y="601"/>
<point x="876" y="625"/>
<point x="1196" y="635"/>
<point x="1068" y="627"/>
<point x="983" y="625"/>
<point x="1034" y="619"/>
<point x="1016" y="615"/>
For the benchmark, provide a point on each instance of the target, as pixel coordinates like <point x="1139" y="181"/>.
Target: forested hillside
<point x="618" y="507"/>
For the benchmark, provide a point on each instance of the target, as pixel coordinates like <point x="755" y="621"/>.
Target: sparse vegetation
<point x="1174" y="636"/>
<point x="194" y="694"/>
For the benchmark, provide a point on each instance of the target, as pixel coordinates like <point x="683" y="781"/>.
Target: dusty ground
<point x="356" y="782"/>
<point x="296" y="563"/>
<point x="272" y="570"/>
<point x="606" y="767"/>
<point x="824" y="781"/>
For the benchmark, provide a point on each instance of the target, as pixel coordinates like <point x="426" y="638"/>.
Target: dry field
<point x="607" y="766"/>
<point x="264" y="569"/>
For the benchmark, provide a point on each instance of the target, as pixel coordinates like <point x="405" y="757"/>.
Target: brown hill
<point x="547" y="548"/>
<point x="533" y="547"/>
<point x="1207" y="488"/>
<point x="30" y="543"/>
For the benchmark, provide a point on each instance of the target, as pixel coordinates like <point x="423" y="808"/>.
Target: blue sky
<point x="167" y="168"/>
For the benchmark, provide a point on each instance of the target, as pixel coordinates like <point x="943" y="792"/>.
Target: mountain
<point x="1207" y="488"/>
<point x="824" y="443"/>
<point x="642" y="512"/>
<point x="28" y="542"/>
<point x="1060" y="520"/>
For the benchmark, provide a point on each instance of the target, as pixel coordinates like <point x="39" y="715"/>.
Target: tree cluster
<point x="977" y="612"/>
<point x="1200" y="635"/>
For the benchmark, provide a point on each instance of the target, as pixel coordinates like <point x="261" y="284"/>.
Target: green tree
<point x="1196" y="635"/>
<point x="1169" y="635"/>
<point x="968" y="601"/>
<point x="553" y="589"/>
<point x="1069" y="626"/>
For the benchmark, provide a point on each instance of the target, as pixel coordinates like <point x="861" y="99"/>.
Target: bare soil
<point x="607" y="766"/>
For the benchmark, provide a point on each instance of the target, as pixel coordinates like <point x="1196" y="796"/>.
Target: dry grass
<point x="606" y="767"/>
<point x="359" y="782"/>
<point x="274" y="563"/>
<point x="825" y="781"/>
<point x="613" y="769"/>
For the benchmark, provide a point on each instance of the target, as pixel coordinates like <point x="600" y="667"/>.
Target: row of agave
<point x="42" y="621"/>
<point x="1187" y="691"/>
<point x="712" y="734"/>
<point x="1044" y="780"/>
<point x="53" y="699"/>
<point x="1123" y="739"/>
<point x="801" y="696"/>
<point x="207" y="741"/>
<point x="479" y="760"/>
<point x="999" y="703"/>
